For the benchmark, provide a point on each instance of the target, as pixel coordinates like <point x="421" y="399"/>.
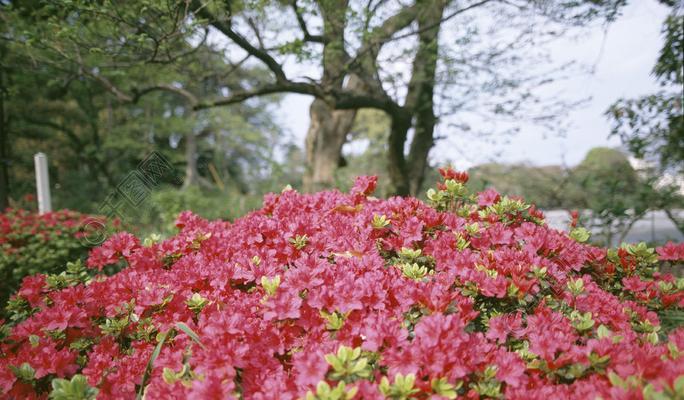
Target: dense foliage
<point x="31" y="243"/>
<point x="335" y="296"/>
<point x="652" y="126"/>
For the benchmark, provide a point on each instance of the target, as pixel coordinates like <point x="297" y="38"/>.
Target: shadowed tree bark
<point x="407" y="173"/>
<point x="328" y="130"/>
<point x="327" y="134"/>
<point x="4" y="145"/>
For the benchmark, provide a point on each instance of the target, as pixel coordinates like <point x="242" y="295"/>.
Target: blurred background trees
<point x="98" y="86"/>
<point x="652" y="127"/>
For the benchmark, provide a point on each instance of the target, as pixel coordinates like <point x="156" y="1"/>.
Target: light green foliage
<point x="582" y="321"/>
<point x="507" y="205"/>
<point x="299" y="241"/>
<point x="576" y="286"/>
<point x="325" y="392"/>
<point x="443" y="388"/>
<point x="488" y="386"/>
<point x="410" y="254"/>
<point x="380" y="221"/>
<point x="24" y="372"/>
<point x="335" y="320"/>
<point x="196" y="302"/>
<point x="75" y="273"/>
<point x="401" y="389"/>
<point x="348" y="364"/>
<point x="185" y="376"/>
<point x="580" y="234"/>
<point x="414" y="271"/>
<point x="645" y="255"/>
<point x="270" y="285"/>
<point x="75" y="389"/>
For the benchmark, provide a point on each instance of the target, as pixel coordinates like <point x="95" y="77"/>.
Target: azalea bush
<point x="31" y="243"/>
<point x="340" y="296"/>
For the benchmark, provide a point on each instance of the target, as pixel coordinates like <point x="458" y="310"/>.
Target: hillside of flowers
<point x="339" y="296"/>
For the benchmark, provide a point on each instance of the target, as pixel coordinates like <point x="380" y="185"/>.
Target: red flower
<point x="488" y="197"/>
<point x="671" y="252"/>
<point x="364" y="185"/>
<point x="450" y="173"/>
<point x="444" y="296"/>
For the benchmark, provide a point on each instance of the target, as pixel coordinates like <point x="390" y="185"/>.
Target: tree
<point x="606" y="184"/>
<point x="544" y="186"/>
<point x="652" y="127"/>
<point x="348" y="48"/>
<point x="95" y="139"/>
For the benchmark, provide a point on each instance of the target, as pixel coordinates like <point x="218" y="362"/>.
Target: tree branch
<point x="272" y="88"/>
<point x="191" y="98"/>
<point x="308" y="37"/>
<point x="108" y="85"/>
<point x="226" y="28"/>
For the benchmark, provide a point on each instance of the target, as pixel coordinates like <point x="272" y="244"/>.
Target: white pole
<point x="42" y="183"/>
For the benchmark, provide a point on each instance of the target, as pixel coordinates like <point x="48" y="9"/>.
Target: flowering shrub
<point x="340" y="296"/>
<point x="31" y="243"/>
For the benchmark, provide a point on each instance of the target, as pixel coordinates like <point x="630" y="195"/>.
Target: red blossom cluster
<point x="340" y="296"/>
<point x="15" y="223"/>
<point x="31" y="243"/>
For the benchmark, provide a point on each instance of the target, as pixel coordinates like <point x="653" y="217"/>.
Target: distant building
<point x="666" y="179"/>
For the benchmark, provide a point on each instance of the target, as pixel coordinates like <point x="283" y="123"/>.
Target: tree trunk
<point x="4" y="149"/>
<point x="421" y="145"/>
<point x="192" y="177"/>
<point x="327" y="134"/>
<point x="328" y="130"/>
<point x="678" y="222"/>
<point x="396" y="162"/>
<point x="422" y="103"/>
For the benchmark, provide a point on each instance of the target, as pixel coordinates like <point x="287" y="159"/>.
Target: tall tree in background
<point x="60" y="84"/>
<point x="345" y="43"/>
<point x="413" y="32"/>
<point x="652" y="127"/>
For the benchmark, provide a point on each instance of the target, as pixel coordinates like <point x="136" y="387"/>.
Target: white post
<point x="42" y="183"/>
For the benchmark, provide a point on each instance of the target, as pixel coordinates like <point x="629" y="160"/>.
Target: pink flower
<point x="671" y="252"/>
<point x="500" y="327"/>
<point x="364" y="185"/>
<point x="450" y="308"/>
<point x="283" y="305"/>
<point x="310" y="368"/>
<point x="510" y="368"/>
<point x="487" y="198"/>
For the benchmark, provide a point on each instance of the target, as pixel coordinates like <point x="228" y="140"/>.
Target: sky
<point x="620" y="58"/>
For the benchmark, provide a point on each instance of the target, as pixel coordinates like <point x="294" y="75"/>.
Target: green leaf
<point x="679" y="386"/>
<point x="25" y="372"/>
<point x="191" y="333"/>
<point x="580" y="234"/>
<point x="75" y="389"/>
<point x="150" y="363"/>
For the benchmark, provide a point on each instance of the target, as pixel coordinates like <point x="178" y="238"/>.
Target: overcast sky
<point x="622" y="58"/>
